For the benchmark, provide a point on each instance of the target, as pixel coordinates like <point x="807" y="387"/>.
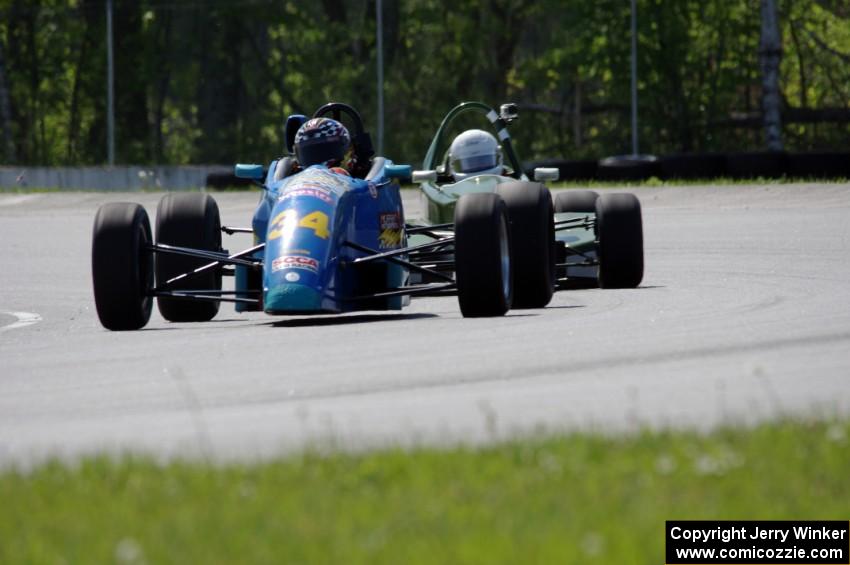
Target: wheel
<point x="187" y="220"/>
<point x="576" y="201"/>
<point x="532" y="242"/>
<point x="122" y="269"/>
<point x="483" y="266"/>
<point x="755" y="164"/>
<point x="820" y="164"/>
<point x="226" y="180"/>
<point x="361" y="141"/>
<point x="619" y="231"/>
<point x="693" y="166"/>
<point x="628" y="167"/>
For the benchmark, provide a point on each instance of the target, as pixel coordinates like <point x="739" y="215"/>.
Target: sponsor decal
<point x="391" y="234"/>
<point x="292" y="276"/>
<point x="318" y="178"/>
<point x="389" y="239"/>
<point x="295" y="262"/>
<point x="319" y="192"/>
<point x="390" y="220"/>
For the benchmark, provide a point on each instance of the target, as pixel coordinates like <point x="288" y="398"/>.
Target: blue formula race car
<point x="329" y="237"/>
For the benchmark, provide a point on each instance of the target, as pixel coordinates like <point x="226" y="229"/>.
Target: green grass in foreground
<point x="573" y="499"/>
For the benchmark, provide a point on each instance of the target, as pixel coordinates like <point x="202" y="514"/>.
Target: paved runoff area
<point x="743" y="315"/>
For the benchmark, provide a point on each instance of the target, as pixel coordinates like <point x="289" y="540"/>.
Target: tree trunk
<point x="577" y="139"/>
<point x="6" y="112"/>
<point x="163" y="83"/>
<point x="89" y="21"/>
<point x="770" y="55"/>
<point x="131" y="84"/>
<point x="335" y="10"/>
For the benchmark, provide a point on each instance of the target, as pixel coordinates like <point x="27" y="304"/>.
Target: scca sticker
<point x="295" y="262"/>
<point x="391" y="235"/>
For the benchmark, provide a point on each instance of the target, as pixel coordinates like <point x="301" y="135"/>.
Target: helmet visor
<point x="320" y="151"/>
<point x="475" y="164"/>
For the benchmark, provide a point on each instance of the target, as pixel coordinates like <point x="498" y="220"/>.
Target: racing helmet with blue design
<point x="322" y="141"/>
<point x="474" y="152"/>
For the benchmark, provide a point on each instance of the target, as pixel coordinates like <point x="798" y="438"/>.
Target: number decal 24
<point x="288" y="220"/>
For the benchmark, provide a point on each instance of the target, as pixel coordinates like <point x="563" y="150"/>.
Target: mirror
<point x="400" y="172"/>
<point x="424" y="176"/>
<point x="546" y="174"/>
<point x="246" y="171"/>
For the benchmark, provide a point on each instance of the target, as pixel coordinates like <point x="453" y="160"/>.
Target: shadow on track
<point x="335" y="320"/>
<point x="581" y="284"/>
<point x="576" y="284"/>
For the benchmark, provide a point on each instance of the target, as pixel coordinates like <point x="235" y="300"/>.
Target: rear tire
<point x="619" y="231"/>
<point x="187" y="220"/>
<point x="583" y="201"/>
<point x="532" y="241"/>
<point x="122" y="269"/>
<point x="483" y="262"/>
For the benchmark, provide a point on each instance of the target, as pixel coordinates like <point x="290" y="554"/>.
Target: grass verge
<point x="578" y="498"/>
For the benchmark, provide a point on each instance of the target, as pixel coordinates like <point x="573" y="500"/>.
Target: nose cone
<point x="292" y="298"/>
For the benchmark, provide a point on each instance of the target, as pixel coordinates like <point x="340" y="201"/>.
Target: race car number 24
<point x="288" y="220"/>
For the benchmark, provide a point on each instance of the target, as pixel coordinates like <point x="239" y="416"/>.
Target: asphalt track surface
<point x="743" y="315"/>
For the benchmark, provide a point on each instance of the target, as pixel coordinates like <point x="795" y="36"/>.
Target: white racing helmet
<point x="474" y="152"/>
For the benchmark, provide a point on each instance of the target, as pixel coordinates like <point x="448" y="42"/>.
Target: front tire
<point x="122" y="269"/>
<point x="532" y="241"/>
<point x="581" y="201"/>
<point x="483" y="262"/>
<point x="619" y="231"/>
<point x="187" y="220"/>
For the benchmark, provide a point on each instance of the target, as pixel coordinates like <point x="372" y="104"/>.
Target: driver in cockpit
<point x="474" y="152"/>
<point x="324" y="141"/>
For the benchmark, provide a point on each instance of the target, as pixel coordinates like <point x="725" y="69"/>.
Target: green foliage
<point x="579" y="498"/>
<point x="213" y="81"/>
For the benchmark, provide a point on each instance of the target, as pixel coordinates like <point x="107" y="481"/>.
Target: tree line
<point x="212" y="81"/>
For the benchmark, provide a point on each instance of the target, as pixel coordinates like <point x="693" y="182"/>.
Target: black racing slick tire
<point x="122" y="267"/>
<point x="582" y="201"/>
<point x="619" y="232"/>
<point x="187" y="220"/>
<point x="483" y="262"/>
<point x="530" y="213"/>
<point x="628" y="167"/>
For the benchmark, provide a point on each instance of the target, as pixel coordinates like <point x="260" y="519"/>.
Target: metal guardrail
<point x="119" y="179"/>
